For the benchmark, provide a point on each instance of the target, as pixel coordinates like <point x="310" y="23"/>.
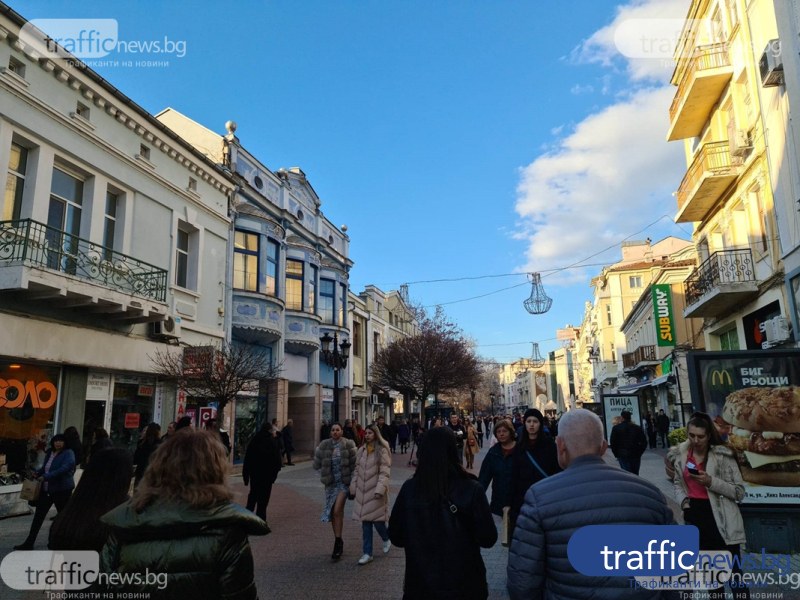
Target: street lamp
<point x="491" y="399"/>
<point x="472" y="391"/>
<point x="335" y="358"/>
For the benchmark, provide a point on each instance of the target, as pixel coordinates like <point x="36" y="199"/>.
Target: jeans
<point x="366" y="532"/>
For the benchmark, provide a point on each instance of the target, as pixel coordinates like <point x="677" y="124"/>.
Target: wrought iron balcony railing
<point x="723" y="267"/>
<point x="38" y="245"/>
<point x="641" y="354"/>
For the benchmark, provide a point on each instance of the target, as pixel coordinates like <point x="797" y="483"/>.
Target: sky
<point x="464" y="143"/>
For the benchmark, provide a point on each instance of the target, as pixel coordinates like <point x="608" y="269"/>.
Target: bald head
<point x="580" y="432"/>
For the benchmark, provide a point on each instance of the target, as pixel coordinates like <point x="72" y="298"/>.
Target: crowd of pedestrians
<point x="546" y="479"/>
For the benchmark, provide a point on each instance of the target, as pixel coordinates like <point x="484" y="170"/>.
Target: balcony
<point x="643" y="356"/>
<point x="710" y="174"/>
<point x="725" y="280"/>
<point x="704" y="77"/>
<point x="41" y="263"/>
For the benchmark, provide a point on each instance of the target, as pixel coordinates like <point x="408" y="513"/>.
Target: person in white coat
<point x="370" y="490"/>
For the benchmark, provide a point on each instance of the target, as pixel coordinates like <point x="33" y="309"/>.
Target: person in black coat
<point x="262" y="462"/>
<point x="442" y="519"/>
<point x="628" y="443"/>
<point x="535" y="458"/>
<point x="148" y="445"/>
<point x="72" y="441"/>
<point x="287" y="436"/>
<point x="101" y="442"/>
<point x="662" y="426"/>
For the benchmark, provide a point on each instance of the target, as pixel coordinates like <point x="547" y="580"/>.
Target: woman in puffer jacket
<point x="182" y="528"/>
<point x="370" y="489"/>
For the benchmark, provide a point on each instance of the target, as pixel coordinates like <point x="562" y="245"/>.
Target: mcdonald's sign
<point x="721" y="377"/>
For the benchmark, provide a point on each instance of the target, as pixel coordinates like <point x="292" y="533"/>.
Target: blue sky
<point x="456" y="139"/>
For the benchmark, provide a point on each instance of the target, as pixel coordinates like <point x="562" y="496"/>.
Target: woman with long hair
<point x="104" y="485"/>
<point x="708" y="486"/>
<point x="496" y="467"/>
<point x="72" y="440"/>
<point x="535" y="458"/>
<point x="56" y="475"/>
<point x="101" y="442"/>
<point x="370" y="490"/>
<point x="442" y="519"/>
<point x="148" y="445"/>
<point x="335" y="459"/>
<point x="182" y="524"/>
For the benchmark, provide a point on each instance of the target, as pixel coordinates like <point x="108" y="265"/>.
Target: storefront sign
<point x="180" y="404"/>
<point x="132" y="420"/>
<point x="755" y="337"/>
<point x="98" y="386"/>
<point x="14" y="393"/>
<point x="206" y="414"/>
<point x="158" y="403"/>
<point x="752" y="397"/>
<point x="614" y="404"/>
<point x="662" y="310"/>
<point x="145" y="390"/>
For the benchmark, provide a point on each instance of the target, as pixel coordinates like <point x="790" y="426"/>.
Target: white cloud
<point x="649" y="26"/>
<point x="579" y="89"/>
<point x="613" y="174"/>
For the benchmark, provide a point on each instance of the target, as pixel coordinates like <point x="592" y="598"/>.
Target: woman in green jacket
<point x="182" y="528"/>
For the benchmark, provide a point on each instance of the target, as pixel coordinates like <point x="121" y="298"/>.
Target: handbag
<point x="472" y="441"/>
<point x="31" y="488"/>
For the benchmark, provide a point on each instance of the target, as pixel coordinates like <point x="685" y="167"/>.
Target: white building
<point x="113" y="237"/>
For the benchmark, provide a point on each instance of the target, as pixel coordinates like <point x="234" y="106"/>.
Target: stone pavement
<point x="294" y="560"/>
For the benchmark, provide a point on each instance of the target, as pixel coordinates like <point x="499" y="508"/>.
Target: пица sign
<point x="14" y="392"/>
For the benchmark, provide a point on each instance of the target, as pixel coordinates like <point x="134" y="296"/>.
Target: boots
<point x="338" y="548"/>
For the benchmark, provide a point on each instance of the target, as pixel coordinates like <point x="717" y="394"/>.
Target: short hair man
<point x="588" y="492"/>
<point x="628" y="443"/>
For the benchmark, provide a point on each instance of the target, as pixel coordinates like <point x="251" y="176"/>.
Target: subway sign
<point x="662" y="310"/>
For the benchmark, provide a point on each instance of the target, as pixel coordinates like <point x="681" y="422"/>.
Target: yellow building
<point x="727" y="191"/>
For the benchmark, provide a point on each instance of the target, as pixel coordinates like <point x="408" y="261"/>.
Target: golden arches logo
<point x="721" y="377"/>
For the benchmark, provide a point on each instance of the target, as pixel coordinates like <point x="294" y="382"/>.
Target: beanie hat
<point x="532" y="412"/>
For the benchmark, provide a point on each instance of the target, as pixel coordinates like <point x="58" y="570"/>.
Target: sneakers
<point x="386" y="545"/>
<point x="365" y="559"/>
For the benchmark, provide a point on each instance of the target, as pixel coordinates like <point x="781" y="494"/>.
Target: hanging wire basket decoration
<point x="536" y="358"/>
<point x="539" y="302"/>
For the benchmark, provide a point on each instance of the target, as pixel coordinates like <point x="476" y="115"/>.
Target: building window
<point x="272" y="268"/>
<point x="326" y="300"/>
<point x="110" y="225"/>
<point x="186" y="256"/>
<point x="341" y="305"/>
<point x="245" y="261"/>
<point x="311" y="300"/>
<point x="635" y="281"/>
<point x="64" y="221"/>
<point x="758" y="220"/>
<point x="376" y="342"/>
<point x="613" y="354"/>
<point x="82" y="110"/>
<point x="729" y="340"/>
<point x="15" y="183"/>
<point x="192" y="184"/>
<point x="608" y="314"/>
<point x="294" y="284"/>
<point x="144" y="151"/>
<point x="17" y="67"/>
<point x="356" y="338"/>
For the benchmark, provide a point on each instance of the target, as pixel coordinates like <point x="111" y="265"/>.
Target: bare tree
<point x="437" y="360"/>
<point x="219" y="371"/>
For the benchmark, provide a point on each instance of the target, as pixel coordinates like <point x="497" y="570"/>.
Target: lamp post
<point x="335" y="358"/>
<point x="472" y="391"/>
<point x="491" y="399"/>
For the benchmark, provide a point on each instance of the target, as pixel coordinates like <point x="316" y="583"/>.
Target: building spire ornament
<point x="538" y="303"/>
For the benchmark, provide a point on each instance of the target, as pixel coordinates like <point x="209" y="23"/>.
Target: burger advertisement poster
<point x="753" y="398"/>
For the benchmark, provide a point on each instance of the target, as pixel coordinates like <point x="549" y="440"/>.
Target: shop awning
<point x="664" y="379"/>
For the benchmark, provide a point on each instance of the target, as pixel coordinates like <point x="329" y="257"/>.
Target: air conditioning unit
<point x="771" y="64"/>
<point x="739" y="141"/>
<point x="169" y="329"/>
<point x="776" y="330"/>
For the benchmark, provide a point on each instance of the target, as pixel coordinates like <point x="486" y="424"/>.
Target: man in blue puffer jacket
<point x="588" y="492"/>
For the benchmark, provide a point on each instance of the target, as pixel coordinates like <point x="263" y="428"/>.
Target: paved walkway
<point x="294" y="560"/>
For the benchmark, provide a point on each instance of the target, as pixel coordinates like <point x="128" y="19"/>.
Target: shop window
<point x="28" y="399"/>
<point x="15" y="183"/>
<point x="131" y="410"/>
<point x="294" y="284"/>
<point x="245" y="261"/>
